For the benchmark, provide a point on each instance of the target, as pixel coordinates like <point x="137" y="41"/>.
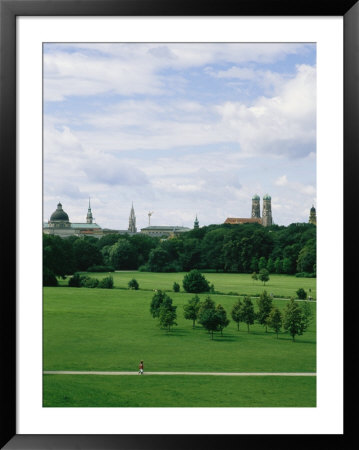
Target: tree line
<point x="294" y="319"/>
<point x="245" y="248"/>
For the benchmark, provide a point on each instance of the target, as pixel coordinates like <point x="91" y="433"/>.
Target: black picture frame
<point x="9" y="10"/>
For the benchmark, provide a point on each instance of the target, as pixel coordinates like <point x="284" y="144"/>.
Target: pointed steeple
<point x="132" y="221"/>
<point x="89" y="217"/>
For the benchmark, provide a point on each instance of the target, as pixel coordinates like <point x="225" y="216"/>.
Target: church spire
<point x="89" y="217"/>
<point x="132" y="221"/>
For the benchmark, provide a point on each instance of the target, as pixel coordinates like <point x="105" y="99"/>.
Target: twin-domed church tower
<point x="267" y="220"/>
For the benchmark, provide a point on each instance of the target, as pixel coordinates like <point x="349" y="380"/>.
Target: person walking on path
<point x="140" y="367"/>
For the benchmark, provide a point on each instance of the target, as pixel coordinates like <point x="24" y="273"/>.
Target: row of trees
<point x="243" y="248"/>
<point x="295" y="319"/>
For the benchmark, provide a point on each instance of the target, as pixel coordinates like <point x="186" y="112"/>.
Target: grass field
<point x="178" y="391"/>
<point x="111" y="330"/>
<point x="279" y="285"/>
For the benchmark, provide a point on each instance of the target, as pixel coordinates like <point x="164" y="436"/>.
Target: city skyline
<point x="179" y="129"/>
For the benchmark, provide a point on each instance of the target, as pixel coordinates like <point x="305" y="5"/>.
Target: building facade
<point x="266" y="219"/>
<point x="164" y="231"/>
<point x="60" y="225"/>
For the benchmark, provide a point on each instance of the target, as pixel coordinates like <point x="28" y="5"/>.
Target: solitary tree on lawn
<point x="263" y="275"/>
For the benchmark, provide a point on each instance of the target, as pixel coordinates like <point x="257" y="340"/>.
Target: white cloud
<point x="177" y="154"/>
<point x="126" y="69"/>
<point x="282" y="181"/>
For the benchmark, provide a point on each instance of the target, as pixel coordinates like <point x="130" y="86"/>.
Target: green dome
<point x="266" y="197"/>
<point x="256" y="197"/>
<point x="312" y="209"/>
<point x="59" y="214"/>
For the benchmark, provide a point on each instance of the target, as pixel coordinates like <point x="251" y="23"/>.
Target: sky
<point x="179" y="129"/>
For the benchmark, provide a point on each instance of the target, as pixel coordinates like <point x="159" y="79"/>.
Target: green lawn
<point x="111" y="330"/>
<point x="178" y="391"/>
<point x="100" y="329"/>
<point x="279" y="285"/>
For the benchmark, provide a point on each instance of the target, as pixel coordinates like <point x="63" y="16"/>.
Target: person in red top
<point x="140" y="368"/>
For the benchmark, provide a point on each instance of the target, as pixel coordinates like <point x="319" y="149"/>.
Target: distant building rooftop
<point x="239" y="220"/>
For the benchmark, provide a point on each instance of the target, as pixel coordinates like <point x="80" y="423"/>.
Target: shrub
<point x="75" y="280"/>
<point x="106" y="283"/>
<point x="144" y="268"/>
<point x="99" y="268"/>
<point x="48" y="277"/>
<point x="172" y="267"/>
<point x="301" y="294"/>
<point x="133" y="284"/>
<point x="305" y="275"/>
<point x="89" y="282"/>
<point x="176" y="287"/>
<point x="195" y="282"/>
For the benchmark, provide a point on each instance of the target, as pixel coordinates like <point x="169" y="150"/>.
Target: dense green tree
<point x="210" y="320"/>
<point x="278" y="265"/>
<point x="275" y="320"/>
<point x="48" y="277"/>
<point x="142" y="245"/>
<point x="270" y="266"/>
<point x="208" y="303"/>
<point x="133" y="284"/>
<point x="262" y="264"/>
<point x="231" y="255"/>
<point x="156" y="302"/>
<point x="191" y="309"/>
<point x="212" y="248"/>
<point x="264" y="308"/>
<point x="176" y="287"/>
<point x="248" y="314"/>
<point x="263" y="275"/>
<point x="108" y="239"/>
<point x="254" y="276"/>
<point x="236" y="312"/>
<point x="223" y="320"/>
<point x="159" y="259"/>
<point x="301" y="294"/>
<point x="123" y="255"/>
<point x="167" y="313"/>
<point x="254" y="264"/>
<point x="294" y="320"/>
<point x="195" y="282"/>
<point x="58" y="256"/>
<point x="86" y="254"/>
<point x="307" y="314"/>
<point x="190" y="254"/>
<point x="307" y="257"/>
